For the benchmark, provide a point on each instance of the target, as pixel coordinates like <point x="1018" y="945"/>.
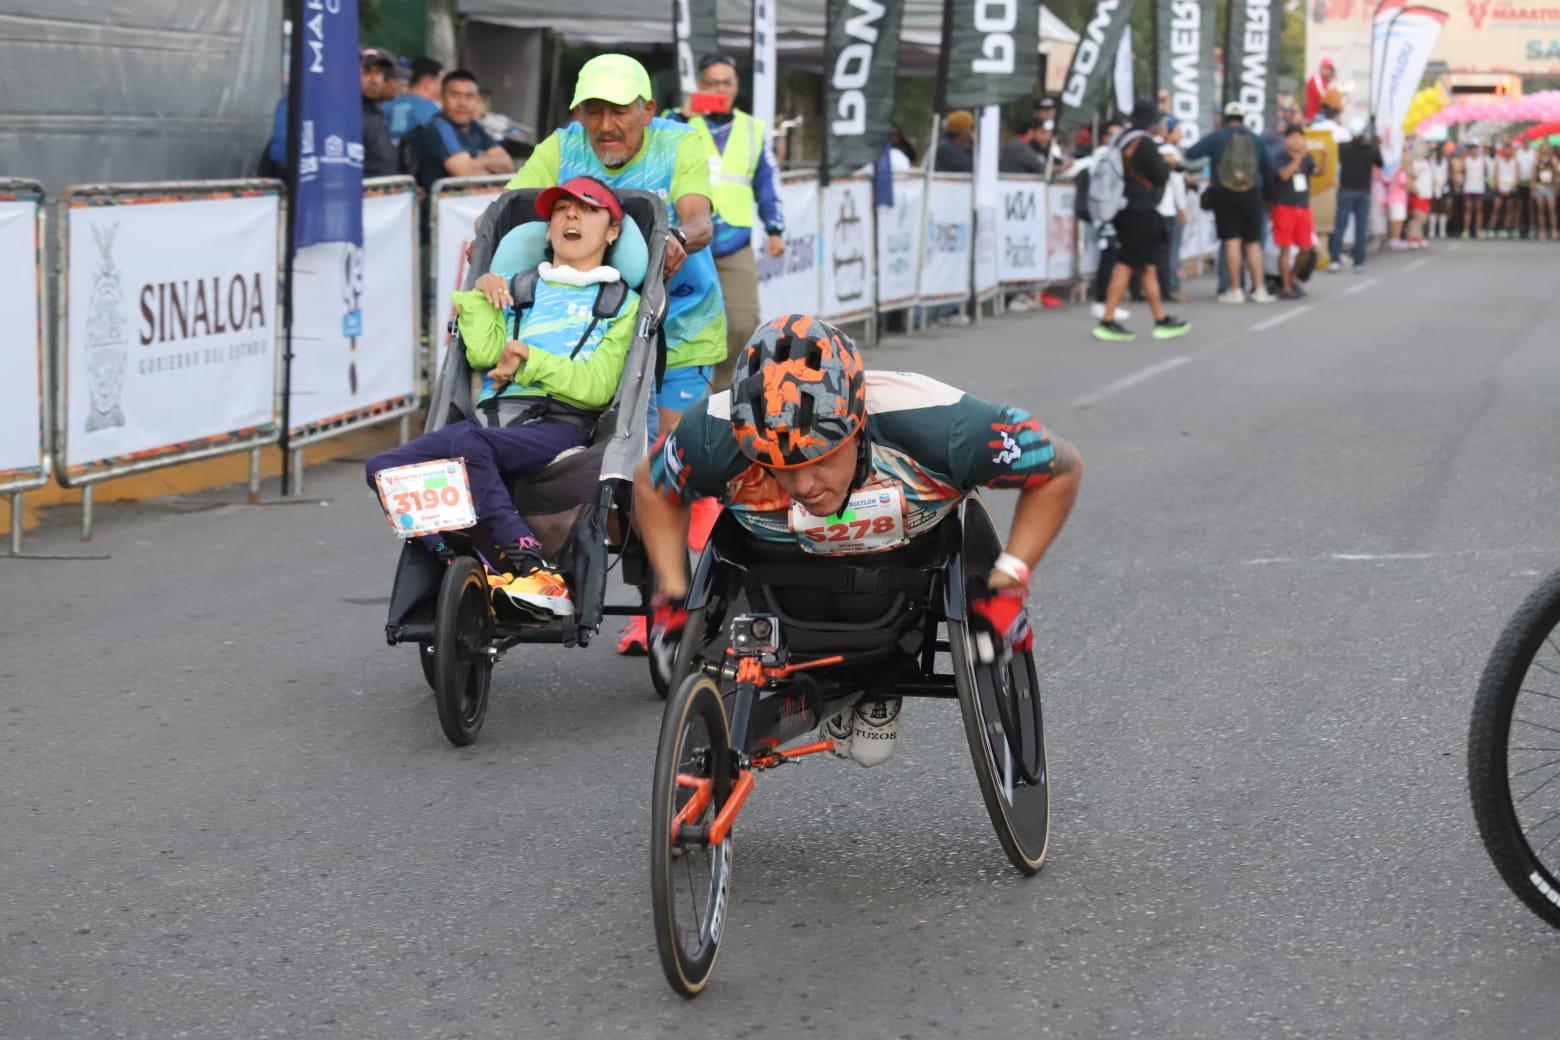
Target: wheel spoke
<point x="1535" y="725"/>
<point x="1537" y="789"/>
<point x="1529" y="769"/>
<point x="1540" y="693"/>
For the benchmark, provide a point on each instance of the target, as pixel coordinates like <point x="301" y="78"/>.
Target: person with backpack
<point x="1125" y="185"/>
<point x="1240" y="168"/>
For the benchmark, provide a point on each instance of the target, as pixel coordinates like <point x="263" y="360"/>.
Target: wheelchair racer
<point x="542" y="389"/>
<point x="803" y="431"/>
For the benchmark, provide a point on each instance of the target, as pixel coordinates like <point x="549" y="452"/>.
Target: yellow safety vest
<point x="731" y="171"/>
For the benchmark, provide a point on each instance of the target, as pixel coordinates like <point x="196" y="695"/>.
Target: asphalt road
<point x="226" y="809"/>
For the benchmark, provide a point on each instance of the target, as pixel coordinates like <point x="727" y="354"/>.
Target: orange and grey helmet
<point x="799" y="391"/>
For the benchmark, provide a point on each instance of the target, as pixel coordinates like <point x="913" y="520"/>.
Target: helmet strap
<point x="863" y="461"/>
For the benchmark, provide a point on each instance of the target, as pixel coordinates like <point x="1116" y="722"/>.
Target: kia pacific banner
<point x="1184" y="32"/>
<point x="693" y="26"/>
<point x="1084" y="93"/>
<point x="1251" y="59"/>
<point x="860" y="55"/>
<point x="990" y="53"/>
<point x="328" y="128"/>
<point x="1402" y="37"/>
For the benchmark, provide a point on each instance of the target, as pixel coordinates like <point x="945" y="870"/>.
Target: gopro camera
<point x="755" y="635"/>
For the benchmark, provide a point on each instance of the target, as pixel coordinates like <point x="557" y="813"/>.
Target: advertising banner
<point x="949" y="241"/>
<point x="990" y="53"/>
<point x="1402" y="38"/>
<point x="1251" y="59"/>
<point x="766" y="71"/>
<point x="899" y="242"/>
<point x="23" y="454"/>
<point x="355" y="330"/>
<point x="167" y="352"/>
<point x="1061" y="232"/>
<point x="1022" y="225"/>
<point x="1184" y="32"/>
<point x="848" y="276"/>
<point x="860" y="55"/>
<point x="456" y="209"/>
<point x="1083" y="95"/>
<point x="789" y="283"/>
<point x="986" y="198"/>
<point x="1121" y="73"/>
<point x="693" y="27"/>
<point x="330" y="126"/>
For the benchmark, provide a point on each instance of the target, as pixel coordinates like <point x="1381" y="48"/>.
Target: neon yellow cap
<point x="614" y="78"/>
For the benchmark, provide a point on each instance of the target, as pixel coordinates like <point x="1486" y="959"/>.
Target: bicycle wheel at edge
<point x="462" y="670"/>
<point x="1020" y="810"/>
<point x="1519" y="701"/>
<point x="690" y="885"/>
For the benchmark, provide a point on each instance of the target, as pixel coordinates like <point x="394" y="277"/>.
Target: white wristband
<point x="1013" y="567"/>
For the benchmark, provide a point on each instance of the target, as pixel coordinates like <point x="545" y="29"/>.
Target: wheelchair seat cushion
<point x="550" y="501"/>
<point x="525" y="246"/>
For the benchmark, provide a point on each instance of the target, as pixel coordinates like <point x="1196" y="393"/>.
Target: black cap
<point x="716" y="58"/>
<point x="1145" y="113"/>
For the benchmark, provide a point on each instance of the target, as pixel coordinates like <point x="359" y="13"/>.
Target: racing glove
<point x="667" y="621"/>
<point x="1000" y="624"/>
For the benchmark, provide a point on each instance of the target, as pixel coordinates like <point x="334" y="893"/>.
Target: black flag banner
<point x="1085" y="93"/>
<point x="1184" y="32"/>
<point x="860" y="57"/>
<point x="1251" y="59"/>
<point x="990" y="53"/>
<point x="693" y="24"/>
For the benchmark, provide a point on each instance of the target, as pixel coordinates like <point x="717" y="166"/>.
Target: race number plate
<point x="427" y="497"/>
<point x="873" y="520"/>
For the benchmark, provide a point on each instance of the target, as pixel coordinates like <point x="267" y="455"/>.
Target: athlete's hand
<point x="1000" y="624"/>
<point x="775" y="246"/>
<point x="667" y="621"/>
<point x="496" y="289"/>
<point x="509" y="362"/>
<point x="675" y="255"/>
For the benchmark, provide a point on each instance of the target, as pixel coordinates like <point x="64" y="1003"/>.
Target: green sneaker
<point x="1113" y="332"/>
<point x="1169" y="327"/>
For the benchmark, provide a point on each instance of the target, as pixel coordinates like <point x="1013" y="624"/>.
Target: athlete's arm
<point x="693" y="215"/>
<point x="1042" y="510"/>
<point x="663" y="524"/>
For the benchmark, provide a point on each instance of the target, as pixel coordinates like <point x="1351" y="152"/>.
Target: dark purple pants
<point x="493" y="458"/>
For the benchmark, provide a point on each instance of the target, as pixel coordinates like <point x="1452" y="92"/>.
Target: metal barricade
<point x="26" y="419"/>
<point x="948" y="245"/>
<point x="167" y="326"/>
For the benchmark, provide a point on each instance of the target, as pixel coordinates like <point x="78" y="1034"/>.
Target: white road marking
<point x="1366" y="284"/>
<point x="1263" y="561"/>
<point x="1417" y="264"/>
<point x="1274" y="322"/>
<point x="1127" y="383"/>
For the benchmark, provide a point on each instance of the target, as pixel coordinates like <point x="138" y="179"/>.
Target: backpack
<point x="1238" y="167"/>
<point x="1108" y="178"/>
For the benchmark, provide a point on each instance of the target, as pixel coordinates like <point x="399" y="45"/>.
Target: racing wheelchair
<point x="578" y="507"/>
<point x="755" y="680"/>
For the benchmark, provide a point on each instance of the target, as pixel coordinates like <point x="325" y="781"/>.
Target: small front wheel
<point x="462" y="633"/>
<point x="690" y="880"/>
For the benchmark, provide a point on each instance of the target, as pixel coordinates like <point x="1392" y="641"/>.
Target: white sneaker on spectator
<point x="1335" y="268"/>
<point x="1232" y="296"/>
<point x="1262" y="296"/>
<point x="1098" y="311"/>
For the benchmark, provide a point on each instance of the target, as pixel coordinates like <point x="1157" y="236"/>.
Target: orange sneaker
<point x="633" y="642"/>
<point x="541" y="592"/>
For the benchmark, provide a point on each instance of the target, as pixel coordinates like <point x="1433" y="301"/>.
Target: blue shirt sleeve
<point x="277" y="148"/>
<point x="445" y="143"/>
<point x="766" y="195"/>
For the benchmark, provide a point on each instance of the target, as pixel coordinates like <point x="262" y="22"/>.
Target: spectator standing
<point x="1021" y="154"/>
<point x="1105" y="233"/>
<point x="1546" y="179"/>
<point x="1240" y="167"/>
<point x="743" y="178"/>
<point x="1358" y="159"/>
<point x="454" y="143"/>
<point x="1421" y="188"/>
<point x="1476" y="176"/>
<point x="956" y="149"/>
<point x="1292" y="228"/>
<point x="1172" y="208"/>
<point x="1324" y="182"/>
<point x="1317" y="88"/>
<point x="1396" y="186"/>
<point x="1526" y="165"/>
<point x="378" y="152"/>
<point x="1456" y="174"/>
<point x="1139" y="227"/>
<point x="1440" y="189"/>
<point x="419" y="104"/>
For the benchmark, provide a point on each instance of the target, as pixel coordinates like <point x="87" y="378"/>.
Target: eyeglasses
<point x="717" y="83"/>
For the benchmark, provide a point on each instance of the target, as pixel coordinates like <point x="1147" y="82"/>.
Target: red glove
<point x="667" y="621"/>
<point x="999" y="616"/>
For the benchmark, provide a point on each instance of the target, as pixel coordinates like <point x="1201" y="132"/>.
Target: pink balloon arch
<point x="1542" y="107"/>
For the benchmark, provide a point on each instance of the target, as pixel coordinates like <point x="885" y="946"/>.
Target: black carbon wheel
<point x="1514" y="752"/>
<point x="462" y="669"/>
<point x="690" y="881"/>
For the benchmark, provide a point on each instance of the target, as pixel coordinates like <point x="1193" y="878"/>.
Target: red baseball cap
<point x="1327" y="63"/>
<point x="588" y="190"/>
